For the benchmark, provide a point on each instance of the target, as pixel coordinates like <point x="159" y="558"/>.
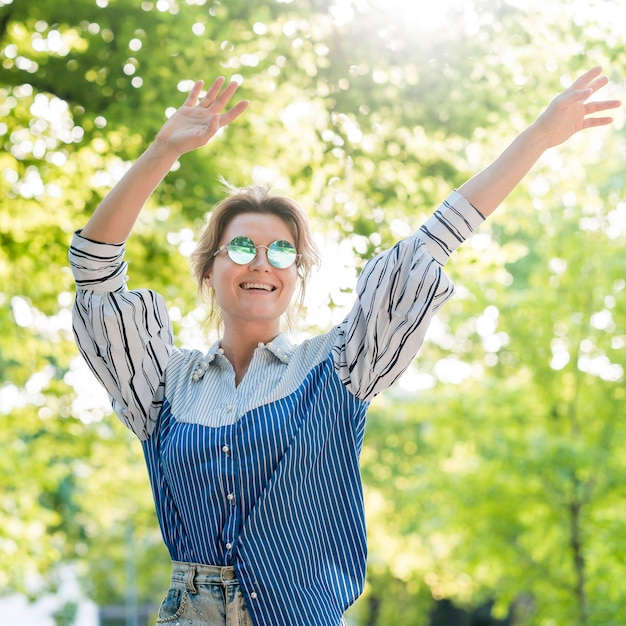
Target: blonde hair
<point x="254" y="199"/>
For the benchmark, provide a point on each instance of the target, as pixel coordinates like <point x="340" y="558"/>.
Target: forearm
<point x="487" y="189"/>
<point x="115" y="216"/>
<point x="189" y="128"/>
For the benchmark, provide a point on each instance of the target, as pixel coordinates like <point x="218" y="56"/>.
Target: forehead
<point x="262" y="228"/>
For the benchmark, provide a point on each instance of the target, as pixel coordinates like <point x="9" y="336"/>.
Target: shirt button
<point x="229" y="546"/>
<point x="225" y="449"/>
<point x="253" y="595"/>
<point x="230" y="496"/>
<point x="229" y="408"/>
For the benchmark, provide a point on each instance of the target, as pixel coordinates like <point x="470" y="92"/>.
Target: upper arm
<point x="126" y="339"/>
<point x="398" y="293"/>
<point x="125" y="336"/>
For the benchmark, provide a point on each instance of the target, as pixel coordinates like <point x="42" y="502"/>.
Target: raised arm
<point x="190" y="127"/>
<point x="566" y="115"/>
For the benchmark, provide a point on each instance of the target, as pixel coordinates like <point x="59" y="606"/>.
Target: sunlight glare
<point x="421" y="15"/>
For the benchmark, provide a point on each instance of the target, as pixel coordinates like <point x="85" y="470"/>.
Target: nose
<point x="260" y="261"/>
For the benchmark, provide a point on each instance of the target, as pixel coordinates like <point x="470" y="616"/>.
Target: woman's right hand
<point x="195" y="123"/>
<point x="190" y="127"/>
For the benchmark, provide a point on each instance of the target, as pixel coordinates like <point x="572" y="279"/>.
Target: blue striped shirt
<point x="265" y="475"/>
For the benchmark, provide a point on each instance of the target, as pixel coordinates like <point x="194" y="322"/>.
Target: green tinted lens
<point x="241" y="250"/>
<point x="281" y="254"/>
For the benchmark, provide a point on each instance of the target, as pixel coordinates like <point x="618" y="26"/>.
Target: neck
<point x="239" y="346"/>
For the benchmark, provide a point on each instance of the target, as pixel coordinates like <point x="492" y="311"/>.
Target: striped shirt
<point x="265" y="475"/>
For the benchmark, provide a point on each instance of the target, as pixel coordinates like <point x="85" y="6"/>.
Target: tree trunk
<point x="575" y="510"/>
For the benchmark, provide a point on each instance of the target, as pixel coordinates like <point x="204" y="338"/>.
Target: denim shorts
<point x="203" y="595"/>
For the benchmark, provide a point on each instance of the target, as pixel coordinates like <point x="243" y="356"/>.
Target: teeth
<point x="257" y="286"/>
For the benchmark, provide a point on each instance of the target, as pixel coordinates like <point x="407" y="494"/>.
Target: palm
<point x="194" y="123"/>
<point x="569" y="112"/>
<point x="189" y="128"/>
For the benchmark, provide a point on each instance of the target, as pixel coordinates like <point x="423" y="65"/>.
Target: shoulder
<point x="314" y="350"/>
<point x="186" y="366"/>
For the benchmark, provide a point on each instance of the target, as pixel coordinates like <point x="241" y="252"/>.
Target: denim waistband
<point x="196" y="574"/>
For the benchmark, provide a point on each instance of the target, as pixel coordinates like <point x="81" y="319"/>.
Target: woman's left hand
<point x="570" y="111"/>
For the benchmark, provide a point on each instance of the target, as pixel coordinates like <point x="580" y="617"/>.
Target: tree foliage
<point x="494" y="470"/>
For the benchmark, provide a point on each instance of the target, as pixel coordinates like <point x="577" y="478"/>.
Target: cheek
<point x="223" y="281"/>
<point x="292" y="284"/>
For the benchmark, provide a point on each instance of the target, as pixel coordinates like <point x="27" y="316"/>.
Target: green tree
<point x="502" y="478"/>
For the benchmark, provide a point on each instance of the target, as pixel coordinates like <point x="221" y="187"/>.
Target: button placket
<point x="229" y="530"/>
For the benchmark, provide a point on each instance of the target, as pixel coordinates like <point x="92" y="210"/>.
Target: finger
<point x="582" y="81"/>
<point x="569" y="98"/>
<point x="193" y="94"/>
<point x="233" y="113"/>
<point x="213" y="91"/>
<point x="599" y="82"/>
<point x="592" y="122"/>
<point x="580" y="94"/>
<point x="602" y="105"/>
<point x="222" y="100"/>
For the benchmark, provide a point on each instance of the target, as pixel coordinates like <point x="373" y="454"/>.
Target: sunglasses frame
<point x="269" y="249"/>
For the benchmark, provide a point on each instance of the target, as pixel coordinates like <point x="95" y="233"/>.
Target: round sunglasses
<point x="242" y="250"/>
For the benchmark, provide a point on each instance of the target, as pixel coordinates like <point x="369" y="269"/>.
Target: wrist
<point x="538" y="137"/>
<point x="161" y="150"/>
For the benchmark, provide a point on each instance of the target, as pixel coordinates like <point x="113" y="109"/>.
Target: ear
<point x="208" y="281"/>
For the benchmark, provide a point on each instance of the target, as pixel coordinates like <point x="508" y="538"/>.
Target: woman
<point x="253" y="448"/>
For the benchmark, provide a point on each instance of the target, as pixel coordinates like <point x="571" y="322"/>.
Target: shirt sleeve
<point x="125" y="336"/>
<point x="398" y="293"/>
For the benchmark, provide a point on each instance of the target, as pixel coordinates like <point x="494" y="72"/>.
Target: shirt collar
<point x="280" y="347"/>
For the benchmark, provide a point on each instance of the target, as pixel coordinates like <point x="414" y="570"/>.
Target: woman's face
<point x="255" y="293"/>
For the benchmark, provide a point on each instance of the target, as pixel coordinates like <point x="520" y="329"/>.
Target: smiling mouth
<point x="257" y="287"/>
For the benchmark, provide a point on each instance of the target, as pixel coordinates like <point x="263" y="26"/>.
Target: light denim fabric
<point x="203" y="595"/>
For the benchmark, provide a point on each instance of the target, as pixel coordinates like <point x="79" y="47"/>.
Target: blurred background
<point x="495" y="470"/>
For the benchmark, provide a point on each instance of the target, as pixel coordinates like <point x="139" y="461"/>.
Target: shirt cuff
<point x="97" y="266"/>
<point x="449" y="226"/>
